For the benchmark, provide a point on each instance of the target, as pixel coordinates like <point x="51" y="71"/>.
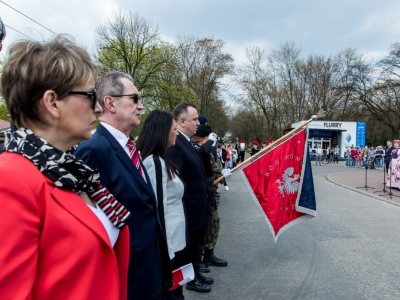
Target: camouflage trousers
<point x="212" y="229"/>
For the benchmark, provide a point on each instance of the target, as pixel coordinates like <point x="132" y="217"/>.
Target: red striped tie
<point x="134" y="155"/>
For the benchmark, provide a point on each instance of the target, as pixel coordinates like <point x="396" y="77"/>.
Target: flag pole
<point x="268" y="147"/>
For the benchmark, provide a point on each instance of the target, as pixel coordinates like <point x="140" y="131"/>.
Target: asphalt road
<point x="351" y="250"/>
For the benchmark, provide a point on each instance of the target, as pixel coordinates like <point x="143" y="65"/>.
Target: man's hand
<point x="213" y="137"/>
<point x="226" y="173"/>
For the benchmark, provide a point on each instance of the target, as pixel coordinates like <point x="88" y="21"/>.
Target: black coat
<point x="388" y="154"/>
<point x="191" y="169"/>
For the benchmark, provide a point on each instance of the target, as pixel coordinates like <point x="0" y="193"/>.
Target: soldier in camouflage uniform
<point x="213" y="224"/>
<point x="204" y="147"/>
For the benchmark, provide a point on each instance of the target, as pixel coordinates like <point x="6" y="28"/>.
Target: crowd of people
<point x="361" y="157"/>
<point x="328" y="153"/>
<point x="101" y="216"/>
<point x="378" y="158"/>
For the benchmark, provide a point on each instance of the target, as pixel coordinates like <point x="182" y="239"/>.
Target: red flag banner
<point x="275" y="179"/>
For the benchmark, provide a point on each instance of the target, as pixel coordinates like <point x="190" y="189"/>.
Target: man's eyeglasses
<point x="90" y="95"/>
<point x="134" y="96"/>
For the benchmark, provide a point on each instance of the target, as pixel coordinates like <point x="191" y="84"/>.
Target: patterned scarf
<point x="66" y="171"/>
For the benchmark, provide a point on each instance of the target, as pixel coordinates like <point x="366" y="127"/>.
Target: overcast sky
<point x="317" y="26"/>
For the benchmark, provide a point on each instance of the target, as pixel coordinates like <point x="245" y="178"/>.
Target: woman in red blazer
<point x="63" y="235"/>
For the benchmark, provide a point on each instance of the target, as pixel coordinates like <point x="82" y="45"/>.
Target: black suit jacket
<point x="190" y="167"/>
<point x="388" y="154"/>
<point x="149" y="263"/>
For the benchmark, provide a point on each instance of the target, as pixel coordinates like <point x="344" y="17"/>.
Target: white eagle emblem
<point x="290" y="185"/>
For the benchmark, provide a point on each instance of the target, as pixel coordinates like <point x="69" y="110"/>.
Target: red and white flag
<point x="182" y="276"/>
<point x="281" y="183"/>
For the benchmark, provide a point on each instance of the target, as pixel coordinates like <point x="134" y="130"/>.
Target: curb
<point x="361" y="192"/>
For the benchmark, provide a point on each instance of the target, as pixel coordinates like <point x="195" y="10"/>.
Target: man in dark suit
<point x="191" y="168"/>
<point x="388" y="153"/>
<point x="109" y="151"/>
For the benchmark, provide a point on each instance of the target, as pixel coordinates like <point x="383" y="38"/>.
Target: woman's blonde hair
<point x="34" y="67"/>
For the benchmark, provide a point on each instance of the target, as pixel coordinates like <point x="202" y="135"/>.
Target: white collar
<point x="188" y="138"/>
<point x="121" y="138"/>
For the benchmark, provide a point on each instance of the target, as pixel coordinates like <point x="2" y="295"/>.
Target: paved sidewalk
<point x="349" y="251"/>
<point x="368" y="182"/>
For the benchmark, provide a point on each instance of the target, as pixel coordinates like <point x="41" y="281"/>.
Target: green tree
<point x="204" y="65"/>
<point x="131" y="44"/>
<point x="3" y="111"/>
<point x="169" y="88"/>
<point x="3" y="106"/>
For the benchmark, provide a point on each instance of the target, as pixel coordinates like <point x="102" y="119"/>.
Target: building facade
<point x="335" y="133"/>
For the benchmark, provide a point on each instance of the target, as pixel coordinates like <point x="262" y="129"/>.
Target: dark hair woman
<point x="63" y="233"/>
<point x="157" y="135"/>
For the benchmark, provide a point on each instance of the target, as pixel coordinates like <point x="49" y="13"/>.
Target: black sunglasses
<point x="134" y="96"/>
<point x="90" y="95"/>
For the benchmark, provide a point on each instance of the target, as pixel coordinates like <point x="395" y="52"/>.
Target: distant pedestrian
<point x="379" y="153"/>
<point x="328" y="153"/>
<point x="347" y="158"/>
<point x="240" y="151"/>
<point x="336" y="154"/>
<point x="354" y="156"/>
<point x="2" y="33"/>
<point x="221" y="157"/>
<point x="388" y="153"/>
<point x="318" y="157"/>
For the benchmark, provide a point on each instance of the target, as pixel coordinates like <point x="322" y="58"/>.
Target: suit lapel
<point x="189" y="146"/>
<point x="125" y="160"/>
<point x="193" y="151"/>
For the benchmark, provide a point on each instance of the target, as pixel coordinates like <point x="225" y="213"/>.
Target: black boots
<point x="204" y="268"/>
<point x="200" y="284"/>
<point x="211" y="259"/>
<point x="205" y="279"/>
